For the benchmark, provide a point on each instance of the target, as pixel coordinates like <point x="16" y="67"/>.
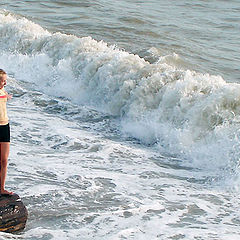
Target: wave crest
<point x="181" y="110"/>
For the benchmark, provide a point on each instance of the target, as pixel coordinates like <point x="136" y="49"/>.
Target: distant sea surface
<point x="205" y="34"/>
<point x="125" y="117"/>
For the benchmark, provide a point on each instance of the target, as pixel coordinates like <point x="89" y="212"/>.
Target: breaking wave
<point x="177" y="110"/>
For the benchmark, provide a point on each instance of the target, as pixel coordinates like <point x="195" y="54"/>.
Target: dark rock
<point x="13" y="214"/>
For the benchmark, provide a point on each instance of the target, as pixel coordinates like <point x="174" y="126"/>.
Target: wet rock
<point x="13" y="213"/>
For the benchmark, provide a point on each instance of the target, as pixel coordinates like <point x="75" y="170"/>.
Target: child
<point x="4" y="132"/>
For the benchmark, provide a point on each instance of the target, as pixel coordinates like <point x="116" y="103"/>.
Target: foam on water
<point x="183" y="112"/>
<point x="77" y="184"/>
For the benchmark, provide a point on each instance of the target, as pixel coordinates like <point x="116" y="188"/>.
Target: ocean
<point x="125" y="117"/>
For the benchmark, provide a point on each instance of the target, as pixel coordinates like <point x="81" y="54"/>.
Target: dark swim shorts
<point x="5" y="133"/>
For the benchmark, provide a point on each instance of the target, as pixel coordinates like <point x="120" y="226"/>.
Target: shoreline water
<point x="114" y="145"/>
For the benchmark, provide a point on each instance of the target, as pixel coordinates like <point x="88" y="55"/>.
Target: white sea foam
<point x="184" y="112"/>
<point x="113" y="193"/>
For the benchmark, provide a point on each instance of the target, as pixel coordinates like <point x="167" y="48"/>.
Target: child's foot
<point x="5" y="192"/>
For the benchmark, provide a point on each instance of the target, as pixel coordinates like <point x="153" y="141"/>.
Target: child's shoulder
<point x="2" y="91"/>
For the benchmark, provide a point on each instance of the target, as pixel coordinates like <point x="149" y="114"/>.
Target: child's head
<point x="2" y="73"/>
<point x="3" y="78"/>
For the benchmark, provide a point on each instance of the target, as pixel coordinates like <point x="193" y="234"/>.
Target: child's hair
<point x="2" y="72"/>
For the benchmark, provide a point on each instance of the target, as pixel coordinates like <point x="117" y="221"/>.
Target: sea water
<point x="124" y="117"/>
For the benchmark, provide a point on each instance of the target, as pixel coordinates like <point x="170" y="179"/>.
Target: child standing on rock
<point x="4" y="133"/>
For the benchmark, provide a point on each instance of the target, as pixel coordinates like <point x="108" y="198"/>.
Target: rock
<point x="13" y="214"/>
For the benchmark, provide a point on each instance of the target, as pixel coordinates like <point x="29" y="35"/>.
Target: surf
<point x="182" y="111"/>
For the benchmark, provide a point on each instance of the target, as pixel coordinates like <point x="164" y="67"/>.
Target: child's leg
<point x="0" y="165"/>
<point x="5" y="146"/>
